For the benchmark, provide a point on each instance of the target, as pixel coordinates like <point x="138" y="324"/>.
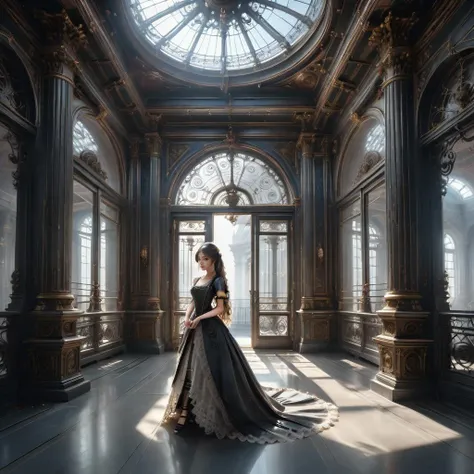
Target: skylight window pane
<point x="174" y="25"/>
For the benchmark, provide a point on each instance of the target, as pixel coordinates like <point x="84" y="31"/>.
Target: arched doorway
<point x="242" y="202"/>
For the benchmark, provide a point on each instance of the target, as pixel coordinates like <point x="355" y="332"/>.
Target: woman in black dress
<point x="215" y="384"/>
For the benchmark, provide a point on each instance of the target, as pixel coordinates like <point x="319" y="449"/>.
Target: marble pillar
<point x="52" y="348"/>
<point x="402" y="345"/>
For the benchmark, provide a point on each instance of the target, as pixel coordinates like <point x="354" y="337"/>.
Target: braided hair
<point x="210" y="250"/>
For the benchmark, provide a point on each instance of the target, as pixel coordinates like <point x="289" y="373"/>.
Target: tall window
<point x="450" y="265"/>
<point x="362" y="255"/>
<point x="95" y="254"/>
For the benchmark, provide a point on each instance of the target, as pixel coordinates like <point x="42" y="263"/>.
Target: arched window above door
<point x="232" y="179"/>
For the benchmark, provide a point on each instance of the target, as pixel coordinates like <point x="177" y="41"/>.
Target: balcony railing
<point x="461" y="343"/>
<point x="3" y="347"/>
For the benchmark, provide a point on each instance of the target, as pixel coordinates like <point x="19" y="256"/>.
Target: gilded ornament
<point x="144" y="256"/>
<point x="90" y="159"/>
<point x="391" y="38"/>
<point x="175" y="152"/>
<point x="306" y="80"/>
<point x="8" y="95"/>
<point x="371" y="159"/>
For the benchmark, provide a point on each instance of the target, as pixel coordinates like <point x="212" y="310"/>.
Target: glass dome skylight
<point x="225" y="36"/>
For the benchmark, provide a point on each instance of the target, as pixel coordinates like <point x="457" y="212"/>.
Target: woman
<point x="214" y="383"/>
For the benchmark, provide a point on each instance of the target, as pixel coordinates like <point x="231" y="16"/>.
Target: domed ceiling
<point x="216" y="38"/>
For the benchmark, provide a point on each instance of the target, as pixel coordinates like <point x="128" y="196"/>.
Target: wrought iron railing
<point x="461" y="343"/>
<point x="102" y="324"/>
<point x="102" y="332"/>
<point x="3" y="347"/>
<point x="363" y="298"/>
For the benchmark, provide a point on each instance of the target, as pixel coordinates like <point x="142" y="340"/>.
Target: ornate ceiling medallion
<point x="225" y="37"/>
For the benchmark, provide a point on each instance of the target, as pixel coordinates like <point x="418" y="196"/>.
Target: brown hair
<point x="210" y="250"/>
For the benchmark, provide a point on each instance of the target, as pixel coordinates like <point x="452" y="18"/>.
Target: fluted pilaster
<point x="146" y="313"/>
<point x="315" y="312"/>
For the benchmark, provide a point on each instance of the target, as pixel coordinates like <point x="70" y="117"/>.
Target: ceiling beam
<point x="94" y="23"/>
<point x="226" y="110"/>
<point x="356" y="30"/>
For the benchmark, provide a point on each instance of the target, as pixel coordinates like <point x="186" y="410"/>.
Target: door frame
<point x="257" y="214"/>
<point x="272" y="342"/>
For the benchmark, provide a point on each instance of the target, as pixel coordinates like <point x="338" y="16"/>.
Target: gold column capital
<point x="392" y="40"/>
<point x="154" y="142"/>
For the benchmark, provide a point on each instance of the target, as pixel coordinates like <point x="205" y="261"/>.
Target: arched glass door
<point x="242" y="204"/>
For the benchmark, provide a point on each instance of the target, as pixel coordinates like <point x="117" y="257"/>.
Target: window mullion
<point x="96" y="241"/>
<point x="365" y="239"/>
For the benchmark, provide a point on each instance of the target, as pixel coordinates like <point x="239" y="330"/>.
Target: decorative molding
<point x="8" y="95"/>
<point x="370" y="160"/>
<point x="90" y="159"/>
<point x="305" y="118"/>
<point x="392" y="39"/>
<point x="175" y="152"/>
<point x="288" y="151"/>
<point x="356" y="30"/>
<point x="89" y="13"/>
<point x="64" y="39"/>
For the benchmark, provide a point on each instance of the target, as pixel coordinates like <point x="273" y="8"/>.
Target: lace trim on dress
<point x="180" y="379"/>
<point x="211" y="414"/>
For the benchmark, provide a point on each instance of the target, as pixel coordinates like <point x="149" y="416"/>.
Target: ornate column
<point x="315" y="314"/>
<point x="146" y="311"/>
<point x="402" y="346"/>
<point x="52" y="349"/>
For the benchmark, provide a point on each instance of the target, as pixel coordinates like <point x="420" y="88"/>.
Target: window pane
<point x="109" y="266"/>
<point x="350" y="233"/>
<point x="8" y="205"/>
<point x="181" y="31"/>
<point x="7" y="221"/>
<point x="273" y="273"/>
<point x="188" y="270"/>
<point x="231" y="180"/>
<point x="81" y="278"/>
<point x="377" y="246"/>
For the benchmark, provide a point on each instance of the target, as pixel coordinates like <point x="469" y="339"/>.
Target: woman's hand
<point x="194" y="323"/>
<point x="187" y="323"/>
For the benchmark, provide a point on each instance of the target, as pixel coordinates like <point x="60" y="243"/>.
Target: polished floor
<point x="114" y="428"/>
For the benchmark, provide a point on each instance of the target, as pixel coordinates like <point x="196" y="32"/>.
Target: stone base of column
<point x="146" y="332"/>
<point x="52" y="357"/>
<point x="316" y="327"/>
<point x="403" y="355"/>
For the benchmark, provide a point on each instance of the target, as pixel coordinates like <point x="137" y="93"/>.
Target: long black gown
<point x="225" y="397"/>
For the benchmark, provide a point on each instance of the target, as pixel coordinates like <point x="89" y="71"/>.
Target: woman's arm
<point x="218" y="310"/>
<point x="189" y="312"/>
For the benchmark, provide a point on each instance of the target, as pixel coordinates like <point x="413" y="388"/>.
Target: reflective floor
<point x="114" y="428"/>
